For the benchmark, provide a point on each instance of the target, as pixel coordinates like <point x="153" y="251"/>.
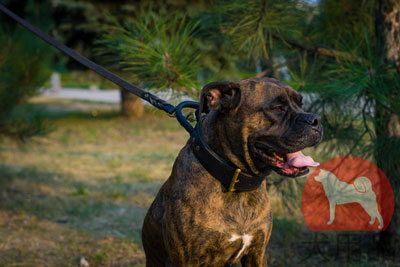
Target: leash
<point x="231" y="177"/>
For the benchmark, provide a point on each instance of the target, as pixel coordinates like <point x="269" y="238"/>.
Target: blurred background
<point x="81" y="160"/>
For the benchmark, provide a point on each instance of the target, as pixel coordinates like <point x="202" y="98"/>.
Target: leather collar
<point x="230" y="176"/>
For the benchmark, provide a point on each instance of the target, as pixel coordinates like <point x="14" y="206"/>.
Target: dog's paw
<point x="330" y="222"/>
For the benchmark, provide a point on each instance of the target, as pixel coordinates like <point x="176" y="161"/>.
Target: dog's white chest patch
<point x="246" y="242"/>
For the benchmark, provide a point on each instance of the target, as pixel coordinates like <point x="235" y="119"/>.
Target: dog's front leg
<point x="332" y="207"/>
<point x="255" y="259"/>
<point x="256" y="256"/>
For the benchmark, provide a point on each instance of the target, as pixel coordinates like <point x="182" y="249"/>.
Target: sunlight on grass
<point x="83" y="190"/>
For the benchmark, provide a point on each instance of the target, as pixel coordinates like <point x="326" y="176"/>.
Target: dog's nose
<point x="314" y="120"/>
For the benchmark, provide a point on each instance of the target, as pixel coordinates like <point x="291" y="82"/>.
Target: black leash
<point x="152" y="99"/>
<point x="233" y="178"/>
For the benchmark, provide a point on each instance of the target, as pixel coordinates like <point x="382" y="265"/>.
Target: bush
<point x="24" y="68"/>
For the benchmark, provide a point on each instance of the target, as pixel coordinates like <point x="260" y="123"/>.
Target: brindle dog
<point x="194" y="220"/>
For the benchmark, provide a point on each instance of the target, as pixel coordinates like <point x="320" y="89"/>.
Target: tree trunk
<point x="131" y="105"/>
<point x="387" y="124"/>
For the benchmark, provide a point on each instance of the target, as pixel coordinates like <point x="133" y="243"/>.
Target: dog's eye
<point x="277" y="108"/>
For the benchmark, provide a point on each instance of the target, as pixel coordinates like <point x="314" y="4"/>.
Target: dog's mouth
<point x="293" y="164"/>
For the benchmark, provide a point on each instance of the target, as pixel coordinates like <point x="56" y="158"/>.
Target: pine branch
<point x="320" y="50"/>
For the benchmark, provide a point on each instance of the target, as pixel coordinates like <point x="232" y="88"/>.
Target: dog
<point x="339" y="192"/>
<point x="195" y="220"/>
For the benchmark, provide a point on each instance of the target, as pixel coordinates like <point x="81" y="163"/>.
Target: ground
<point x="82" y="190"/>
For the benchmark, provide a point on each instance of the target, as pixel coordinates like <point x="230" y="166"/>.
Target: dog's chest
<point x="237" y="221"/>
<point x="233" y="231"/>
<point x="239" y="230"/>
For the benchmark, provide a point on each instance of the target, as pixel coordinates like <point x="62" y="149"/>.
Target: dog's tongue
<point x="297" y="159"/>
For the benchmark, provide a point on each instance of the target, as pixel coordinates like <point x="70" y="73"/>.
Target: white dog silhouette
<point x="339" y="192"/>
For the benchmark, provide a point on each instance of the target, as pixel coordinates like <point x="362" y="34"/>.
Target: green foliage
<point x="356" y="17"/>
<point x="350" y="93"/>
<point x="157" y="49"/>
<point x="358" y="96"/>
<point x="24" y="69"/>
<point x="255" y="25"/>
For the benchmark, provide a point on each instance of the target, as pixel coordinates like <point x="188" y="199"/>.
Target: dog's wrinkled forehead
<point x="264" y="91"/>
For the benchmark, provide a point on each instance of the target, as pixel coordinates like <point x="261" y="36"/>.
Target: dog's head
<point x="268" y="127"/>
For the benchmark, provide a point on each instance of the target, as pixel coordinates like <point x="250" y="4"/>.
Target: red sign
<point x="347" y="194"/>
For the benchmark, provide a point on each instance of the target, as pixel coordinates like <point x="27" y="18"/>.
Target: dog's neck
<point x="231" y="147"/>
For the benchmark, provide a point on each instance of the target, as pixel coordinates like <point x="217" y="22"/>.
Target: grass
<point x="82" y="191"/>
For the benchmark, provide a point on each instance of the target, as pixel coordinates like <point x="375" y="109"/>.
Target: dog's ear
<point x="221" y="95"/>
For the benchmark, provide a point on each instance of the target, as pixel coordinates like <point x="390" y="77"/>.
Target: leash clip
<point x="183" y="118"/>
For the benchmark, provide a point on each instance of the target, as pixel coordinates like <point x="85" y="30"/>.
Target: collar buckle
<point x="234" y="180"/>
